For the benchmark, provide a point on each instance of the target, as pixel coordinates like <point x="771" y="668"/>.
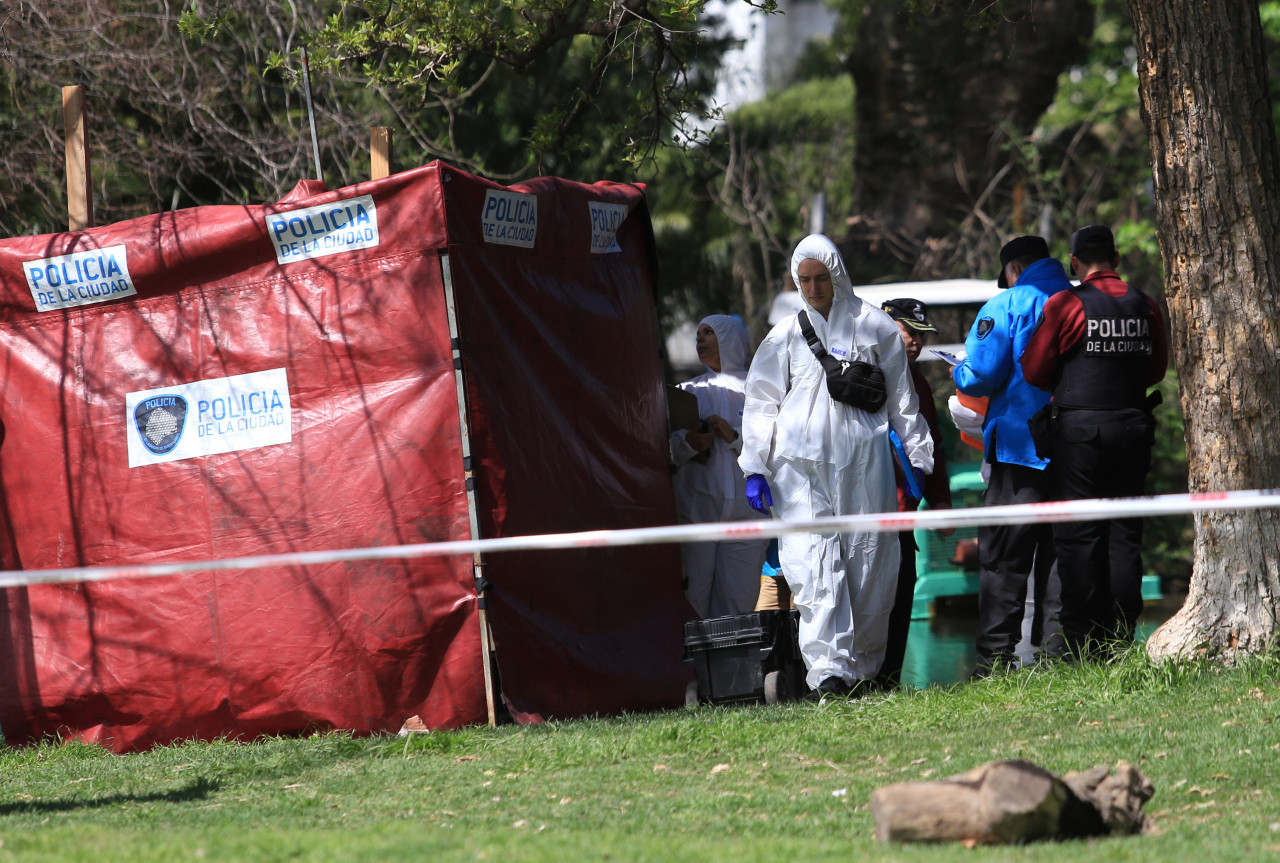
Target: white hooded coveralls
<point x="724" y="577"/>
<point x="823" y="458"/>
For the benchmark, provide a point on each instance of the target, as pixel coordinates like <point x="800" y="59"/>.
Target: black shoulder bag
<point x="853" y="382"/>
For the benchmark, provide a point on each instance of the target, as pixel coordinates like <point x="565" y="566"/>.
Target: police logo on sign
<point x="160" y="420"/>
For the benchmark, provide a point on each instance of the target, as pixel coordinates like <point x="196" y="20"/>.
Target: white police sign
<point x="79" y="279"/>
<point x="509" y="219"/>
<point x="314" y="232"/>
<point x="606" y="219"/>
<point x="208" y="417"/>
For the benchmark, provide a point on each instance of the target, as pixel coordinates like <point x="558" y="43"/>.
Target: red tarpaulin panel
<point x="231" y="381"/>
<point x="352" y="350"/>
<point x="564" y="387"/>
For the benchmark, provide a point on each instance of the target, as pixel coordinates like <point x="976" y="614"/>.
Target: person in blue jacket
<point x="992" y="369"/>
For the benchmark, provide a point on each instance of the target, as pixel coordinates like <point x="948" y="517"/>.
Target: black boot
<point x="830" y="687"/>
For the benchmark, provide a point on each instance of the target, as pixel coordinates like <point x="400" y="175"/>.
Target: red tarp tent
<point x="230" y="381"/>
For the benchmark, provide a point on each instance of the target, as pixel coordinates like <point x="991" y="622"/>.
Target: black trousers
<point x="1100" y="454"/>
<point x="895" y="651"/>
<point x="1009" y="554"/>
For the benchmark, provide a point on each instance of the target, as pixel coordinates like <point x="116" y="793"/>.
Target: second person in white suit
<point x="806" y="456"/>
<point x="724" y="577"/>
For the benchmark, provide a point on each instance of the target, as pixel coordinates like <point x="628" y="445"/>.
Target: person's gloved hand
<point x="758" y="494"/>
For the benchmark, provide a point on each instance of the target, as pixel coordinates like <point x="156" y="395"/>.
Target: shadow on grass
<point x="197" y="790"/>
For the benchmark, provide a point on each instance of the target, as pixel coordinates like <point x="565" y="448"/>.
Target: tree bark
<point x="937" y="84"/>
<point x="1207" y="110"/>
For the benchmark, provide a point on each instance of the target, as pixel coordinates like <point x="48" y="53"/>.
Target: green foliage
<point x="811" y="111"/>
<point x="1270" y="15"/>
<point x="728" y="213"/>
<point x="1088" y="161"/>
<point x="824" y="58"/>
<point x="1104" y="88"/>
<point x="180" y="108"/>
<point x="205" y="100"/>
<point x="583" y="89"/>
<point x="204" y="29"/>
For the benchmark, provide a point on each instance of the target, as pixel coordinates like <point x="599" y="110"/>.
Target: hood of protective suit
<point x="821" y="248"/>
<point x="735" y="344"/>
<point x="715" y="489"/>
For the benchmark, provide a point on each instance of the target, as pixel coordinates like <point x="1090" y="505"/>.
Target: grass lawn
<point x="788" y="782"/>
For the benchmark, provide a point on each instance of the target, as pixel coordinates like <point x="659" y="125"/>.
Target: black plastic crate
<point x="745" y="657"/>
<point x="756" y="627"/>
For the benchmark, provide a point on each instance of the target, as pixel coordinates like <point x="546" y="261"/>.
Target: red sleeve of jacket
<point x="1060" y="328"/>
<point x="1158" y="362"/>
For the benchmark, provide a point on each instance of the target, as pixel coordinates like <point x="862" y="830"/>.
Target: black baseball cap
<point x="1093" y="237"/>
<point x="1018" y="248"/>
<point x="911" y="312"/>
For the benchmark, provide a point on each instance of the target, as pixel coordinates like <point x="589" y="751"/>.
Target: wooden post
<point x="79" y="180"/>
<point x="379" y="152"/>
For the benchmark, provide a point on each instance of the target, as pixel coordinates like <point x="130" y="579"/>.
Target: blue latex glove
<point x="914" y="476"/>
<point x="758" y="494"/>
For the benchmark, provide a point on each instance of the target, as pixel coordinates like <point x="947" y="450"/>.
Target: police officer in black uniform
<point x="1097" y="348"/>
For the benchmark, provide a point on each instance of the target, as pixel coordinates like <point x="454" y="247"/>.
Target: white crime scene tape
<point x="1056" y="511"/>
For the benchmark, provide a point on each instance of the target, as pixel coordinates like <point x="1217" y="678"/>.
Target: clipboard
<point x="682" y="410"/>
<point x="682" y="413"/>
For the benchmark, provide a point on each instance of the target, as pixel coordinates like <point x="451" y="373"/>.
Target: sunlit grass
<point x="705" y="783"/>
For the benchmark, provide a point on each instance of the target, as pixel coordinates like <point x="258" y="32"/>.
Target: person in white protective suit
<point x="808" y="456"/>
<point x="724" y="577"/>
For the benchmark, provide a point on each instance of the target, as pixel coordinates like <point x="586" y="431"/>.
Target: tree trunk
<point x="1203" y="87"/>
<point x="933" y="81"/>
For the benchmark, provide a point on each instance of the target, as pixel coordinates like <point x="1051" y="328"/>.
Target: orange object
<point x="973" y="403"/>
